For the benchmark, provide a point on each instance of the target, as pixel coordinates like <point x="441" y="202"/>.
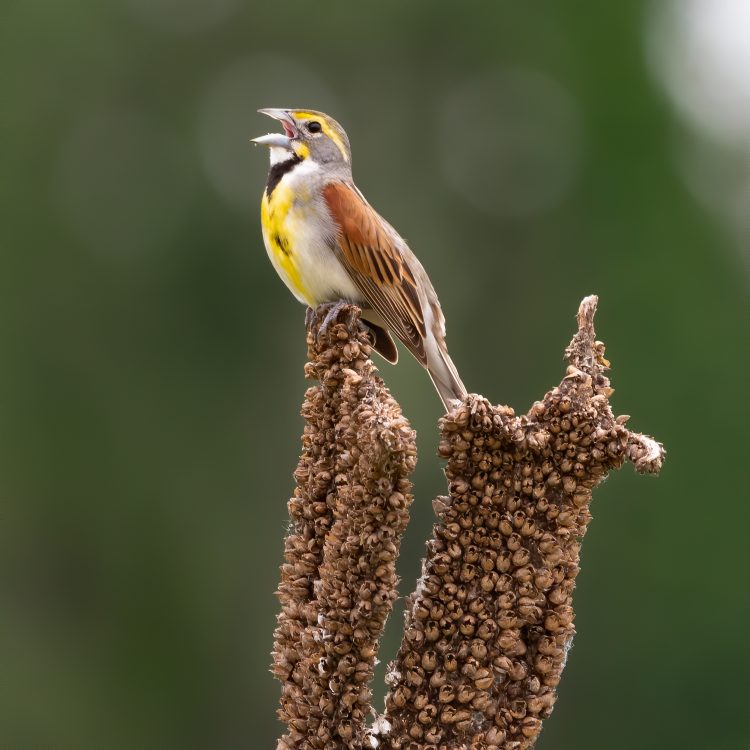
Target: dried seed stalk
<point x="488" y="629"/>
<point x="349" y="510"/>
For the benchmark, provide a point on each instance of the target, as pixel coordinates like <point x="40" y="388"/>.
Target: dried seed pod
<point x="429" y="661"/>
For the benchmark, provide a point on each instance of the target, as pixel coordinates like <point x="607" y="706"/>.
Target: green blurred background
<point x="152" y="362"/>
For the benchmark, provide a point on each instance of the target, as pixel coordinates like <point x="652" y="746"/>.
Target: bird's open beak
<point x="280" y="140"/>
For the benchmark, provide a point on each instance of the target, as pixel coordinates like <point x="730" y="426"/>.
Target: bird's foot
<point x="333" y="309"/>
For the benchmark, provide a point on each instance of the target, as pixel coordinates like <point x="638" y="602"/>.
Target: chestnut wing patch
<point x="374" y="262"/>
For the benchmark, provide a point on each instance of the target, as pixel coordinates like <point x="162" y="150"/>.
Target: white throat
<point x="279" y="155"/>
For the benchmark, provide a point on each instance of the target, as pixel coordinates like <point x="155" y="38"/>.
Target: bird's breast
<point x="297" y="230"/>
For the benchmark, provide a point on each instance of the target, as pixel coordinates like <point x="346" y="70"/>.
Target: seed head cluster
<point x="488" y="629"/>
<point x="349" y="510"/>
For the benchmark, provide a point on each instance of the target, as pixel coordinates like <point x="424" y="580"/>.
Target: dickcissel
<point x="329" y="244"/>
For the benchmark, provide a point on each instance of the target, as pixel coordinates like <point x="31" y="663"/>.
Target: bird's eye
<point x="314" y="126"/>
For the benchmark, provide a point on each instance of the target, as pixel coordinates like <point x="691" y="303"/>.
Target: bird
<point x="329" y="245"/>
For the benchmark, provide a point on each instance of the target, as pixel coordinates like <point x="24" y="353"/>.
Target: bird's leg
<point x="335" y="309"/>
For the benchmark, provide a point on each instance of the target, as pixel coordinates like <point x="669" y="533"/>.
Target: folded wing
<point x="369" y="250"/>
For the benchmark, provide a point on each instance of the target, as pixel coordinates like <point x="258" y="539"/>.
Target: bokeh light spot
<point x="510" y="142"/>
<point x="700" y="51"/>
<point x="183" y="16"/>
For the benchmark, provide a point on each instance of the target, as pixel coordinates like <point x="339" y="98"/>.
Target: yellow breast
<point x="277" y="232"/>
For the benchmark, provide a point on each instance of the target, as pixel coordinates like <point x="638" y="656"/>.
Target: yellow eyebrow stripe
<point x="332" y="134"/>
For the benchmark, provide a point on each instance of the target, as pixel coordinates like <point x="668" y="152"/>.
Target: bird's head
<point x="308" y="135"/>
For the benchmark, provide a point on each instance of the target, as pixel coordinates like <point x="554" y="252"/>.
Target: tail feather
<point x="446" y="379"/>
<point x="433" y="355"/>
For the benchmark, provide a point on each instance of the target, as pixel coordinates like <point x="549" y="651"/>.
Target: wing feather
<point x="370" y="253"/>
